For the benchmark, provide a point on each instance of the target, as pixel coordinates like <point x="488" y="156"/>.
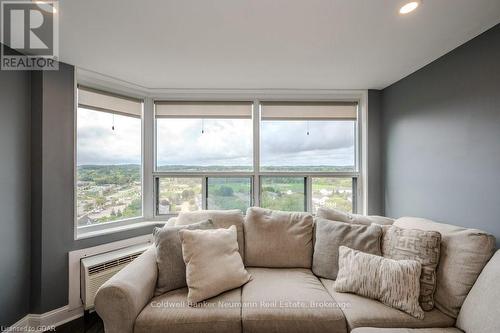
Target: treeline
<point x="110" y="174"/>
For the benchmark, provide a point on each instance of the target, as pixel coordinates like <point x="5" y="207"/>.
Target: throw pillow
<point x="419" y="245"/>
<point x="213" y="264"/>
<point x="330" y="235"/>
<point x="220" y="218"/>
<point x="341" y="216"/>
<point x="278" y="239"/>
<point x="464" y="253"/>
<point x="168" y="247"/>
<point x="393" y="282"/>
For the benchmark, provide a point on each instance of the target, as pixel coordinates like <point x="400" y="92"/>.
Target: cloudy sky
<point x="224" y="142"/>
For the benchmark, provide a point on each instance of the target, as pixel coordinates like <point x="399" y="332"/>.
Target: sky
<point x="223" y="142"/>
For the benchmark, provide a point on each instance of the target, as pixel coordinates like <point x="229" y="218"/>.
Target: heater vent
<point x="98" y="269"/>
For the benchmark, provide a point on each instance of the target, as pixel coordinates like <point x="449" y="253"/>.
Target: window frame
<point x="81" y="232"/>
<point x="257" y="174"/>
<point x="149" y="150"/>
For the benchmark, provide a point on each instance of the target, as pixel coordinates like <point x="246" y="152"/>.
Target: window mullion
<point x="256" y="153"/>
<point x="204" y="191"/>
<point x="149" y="202"/>
<point x="308" y="184"/>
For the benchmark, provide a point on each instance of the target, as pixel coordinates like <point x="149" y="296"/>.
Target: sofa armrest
<point x="120" y="300"/>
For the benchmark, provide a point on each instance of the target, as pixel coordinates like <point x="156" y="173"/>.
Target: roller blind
<point x="309" y="111"/>
<point x="172" y="109"/>
<point x="103" y="101"/>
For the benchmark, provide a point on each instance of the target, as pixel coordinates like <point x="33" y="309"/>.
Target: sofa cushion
<point x="406" y="330"/>
<point x="481" y="311"/>
<point x="341" y="216"/>
<point x="170" y="312"/>
<point x="330" y="235"/>
<point x="288" y="300"/>
<point x="364" y="312"/>
<point x="464" y="253"/>
<point x="278" y="239"/>
<point x="422" y="246"/>
<point x="395" y="283"/>
<point x="221" y="219"/>
<point x="213" y="264"/>
<point x="168" y="250"/>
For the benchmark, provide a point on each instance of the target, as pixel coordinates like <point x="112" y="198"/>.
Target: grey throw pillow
<point x="422" y="246"/>
<point x="341" y="216"/>
<point x="392" y="282"/>
<point x="171" y="267"/>
<point x="278" y="239"/>
<point x="330" y="235"/>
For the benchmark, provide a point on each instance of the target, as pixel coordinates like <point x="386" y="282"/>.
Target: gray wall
<point x="52" y="159"/>
<point x="442" y="138"/>
<point x="14" y="195"/>
<point x="375" y="184"/>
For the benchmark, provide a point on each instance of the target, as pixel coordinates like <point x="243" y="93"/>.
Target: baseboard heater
<point x="97" y="269"/>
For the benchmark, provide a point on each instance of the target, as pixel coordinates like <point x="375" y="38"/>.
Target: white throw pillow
<point x="395" y="283"/>
<point x="213" y="263"/>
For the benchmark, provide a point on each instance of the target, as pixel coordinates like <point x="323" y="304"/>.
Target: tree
<point x="225" y="191"/>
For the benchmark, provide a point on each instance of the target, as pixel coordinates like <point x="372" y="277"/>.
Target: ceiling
<point x="261" y="44"/>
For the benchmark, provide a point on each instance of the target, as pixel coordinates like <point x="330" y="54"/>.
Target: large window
<point x="291" y="156"/>
<point x="307" y="160"/>
<point x="109" y="159"/>
<point x="312" y="146"/>
<point x="200" y="137"/>
<point x="305" y="137"/>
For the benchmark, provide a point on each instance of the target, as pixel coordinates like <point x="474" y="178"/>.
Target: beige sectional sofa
<point x="292" y="299"/>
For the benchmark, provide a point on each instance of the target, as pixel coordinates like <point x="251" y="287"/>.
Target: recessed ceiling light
<point x="409" y="7"/>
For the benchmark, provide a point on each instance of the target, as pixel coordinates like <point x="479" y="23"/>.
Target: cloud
<point x="224" y="142"/>
<point x="99" y="144"/>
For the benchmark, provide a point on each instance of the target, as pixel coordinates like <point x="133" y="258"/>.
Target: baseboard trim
<point x="21" y="326"/>
<point x="46" y="321"/>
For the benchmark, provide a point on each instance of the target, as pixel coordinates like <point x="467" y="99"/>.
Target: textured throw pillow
<point x="464" y="253"/>
<point x="213" y="264"/>
<point x="330" y="235"/>
<point x="393" y="282"/>
<point x="278" y="239"/>
<point x="338" y="215"/>
<point x="171" y="267"/>
<point x="419" y="245"/>
<point x="220" y="218"/>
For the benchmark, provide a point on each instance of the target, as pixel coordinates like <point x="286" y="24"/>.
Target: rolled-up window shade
<point x="309" y="111"/>
<point x="170" y="109"/>
<point x="103" y="101"/>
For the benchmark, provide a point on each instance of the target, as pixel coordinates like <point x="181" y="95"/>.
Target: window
<point x="178" y="194"/>
<point x="109" y="158"/>
<point x="284" y="193"/>
<point x="332" y="193"/>
<point x="202" y="137"/>
<point x="305" y="137"/>
<point x="290" y="156"/>
<point x="229" y="193"/>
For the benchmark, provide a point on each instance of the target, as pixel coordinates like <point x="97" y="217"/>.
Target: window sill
<point x="81" y="233"/>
